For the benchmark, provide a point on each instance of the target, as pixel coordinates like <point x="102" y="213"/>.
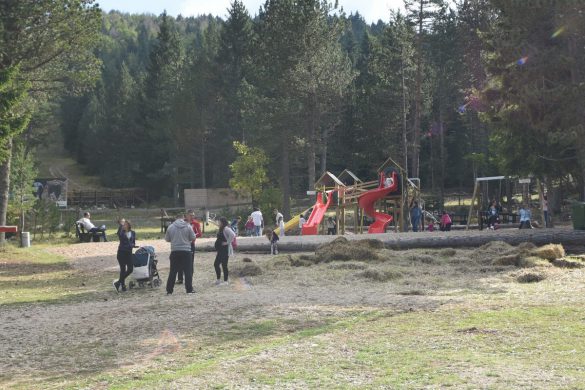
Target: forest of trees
<point x="450" y="90"/>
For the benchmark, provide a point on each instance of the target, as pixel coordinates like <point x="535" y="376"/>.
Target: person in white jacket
<point x="223" y="246"/>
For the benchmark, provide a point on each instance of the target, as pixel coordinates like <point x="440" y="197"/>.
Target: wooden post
<point x="356" y="217"/>
<point x="475" y="190"/>
<point x="541" y="199"/>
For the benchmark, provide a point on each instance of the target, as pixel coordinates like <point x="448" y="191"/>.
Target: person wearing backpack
<point x="223" y="246"/>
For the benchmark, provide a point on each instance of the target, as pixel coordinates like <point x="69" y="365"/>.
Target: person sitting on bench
<point x="90" y="227"/>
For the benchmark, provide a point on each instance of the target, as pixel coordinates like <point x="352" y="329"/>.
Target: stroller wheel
<point x="156" y="282"/>
<point x="141" y="284"/>
<point x="131" y="285"/>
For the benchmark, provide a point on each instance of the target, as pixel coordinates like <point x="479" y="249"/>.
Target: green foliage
<point x="22" y="175"/>
<point x="270" y="199"/>
<point x="249" y="170"/>
<point x="46" y="217"/>
<point x="13" y="114"/>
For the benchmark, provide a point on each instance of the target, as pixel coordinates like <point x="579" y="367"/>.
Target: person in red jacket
<point x="196" y="226"/>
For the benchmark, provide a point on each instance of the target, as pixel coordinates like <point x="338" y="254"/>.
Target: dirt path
<point x="105" y="330"/>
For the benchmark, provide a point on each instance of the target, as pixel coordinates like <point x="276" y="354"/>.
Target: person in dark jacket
<point x="127" y="238"/>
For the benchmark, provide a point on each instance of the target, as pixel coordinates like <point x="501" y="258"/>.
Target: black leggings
<point x="222" y="258"/>
<point x="126" y="267"/>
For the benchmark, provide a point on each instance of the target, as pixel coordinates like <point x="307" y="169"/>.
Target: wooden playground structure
<point x="386" y="200"/>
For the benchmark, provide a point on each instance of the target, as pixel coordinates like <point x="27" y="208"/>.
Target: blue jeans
<point x="257" y="231"/>
<point x="415" y="223"/>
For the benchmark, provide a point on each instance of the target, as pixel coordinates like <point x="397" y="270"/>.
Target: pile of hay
<point x="550" y="252"/>
<point x="525" y="255"/>
<point x="249" y="269"/>
<point x="341" y="249"/>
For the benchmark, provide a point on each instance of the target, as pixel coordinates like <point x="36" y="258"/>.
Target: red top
<point x="445" y="219"/>
<point x="196" y="227"/>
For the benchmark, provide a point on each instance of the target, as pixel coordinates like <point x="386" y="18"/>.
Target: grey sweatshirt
<point x="180" y="234"/>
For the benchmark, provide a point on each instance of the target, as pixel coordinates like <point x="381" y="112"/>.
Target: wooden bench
<point x="503" y="218"/>
<point x="84" y="236"/>
<point x="12" y="230"/>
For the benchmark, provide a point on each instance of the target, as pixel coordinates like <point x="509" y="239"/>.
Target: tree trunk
<point x="311" y="132"/>
<point x="5" y="188"/>
<point x="404" y="126"/>
<point x="203" y="173"/>
<point x="418" y="102"/>
<point x="324" y="137"/>
<point x="285" y="179"/>
<point x="442" y="149"/>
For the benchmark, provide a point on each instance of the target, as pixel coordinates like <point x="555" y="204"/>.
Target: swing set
<point x="508" y="192"/>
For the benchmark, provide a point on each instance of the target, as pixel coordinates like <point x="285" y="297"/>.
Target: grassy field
<point x="376" y="319"/>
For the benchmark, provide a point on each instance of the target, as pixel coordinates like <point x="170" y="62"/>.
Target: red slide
<point x="319" y="209"/>
<point x="367" y="201"/>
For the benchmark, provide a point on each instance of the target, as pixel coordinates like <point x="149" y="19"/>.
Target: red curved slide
<point x="319" y="209"/>
<point x="367" y="201"/>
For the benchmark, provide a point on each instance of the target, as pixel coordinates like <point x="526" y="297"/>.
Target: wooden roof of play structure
<point x="390" y="163"/>
<point x="347" y="174"/>
<point x="328" y="180"/>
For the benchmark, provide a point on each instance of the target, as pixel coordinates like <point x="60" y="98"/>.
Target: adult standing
<point x="127" y="238"/>
<point x="279" y="218"/>
<point x="190" y="218"/>
<point x="258" y="221"/>
<point x="545" y="209"/>
<point x="415" y="216"/>
<point x="180" y="234"/>
<point x="223" y="246"/>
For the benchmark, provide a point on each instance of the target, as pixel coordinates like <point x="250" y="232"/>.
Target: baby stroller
<point x="145" y="271"/>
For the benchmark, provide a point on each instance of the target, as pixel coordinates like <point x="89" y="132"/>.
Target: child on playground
<point x="430" y="225"/>
<point x="446" y="222"/>
<point x="273" y="238"/>
<point x="525" y="217"/>
<point x="249" y="226"/>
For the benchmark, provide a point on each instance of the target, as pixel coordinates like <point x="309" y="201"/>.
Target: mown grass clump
<point x="348" y="265"/>
<point x="567" y="262"/>
<point x="531" y="277"/>
<point x="341" y="249"/>
<point x="250" y="269"/>
<point x="550" y="252"/>
<point x="447" y="252"/>
<point x="422" y="258"/>
<point x="379" y="275"/>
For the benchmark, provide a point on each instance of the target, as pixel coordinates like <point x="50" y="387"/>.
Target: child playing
<point x="249" y="227"/>
<point x="273" y="238"/>
<point x="446" y="222"/>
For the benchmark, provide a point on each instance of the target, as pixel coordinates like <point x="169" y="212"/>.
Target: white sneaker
<point x="217" y="282"/>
